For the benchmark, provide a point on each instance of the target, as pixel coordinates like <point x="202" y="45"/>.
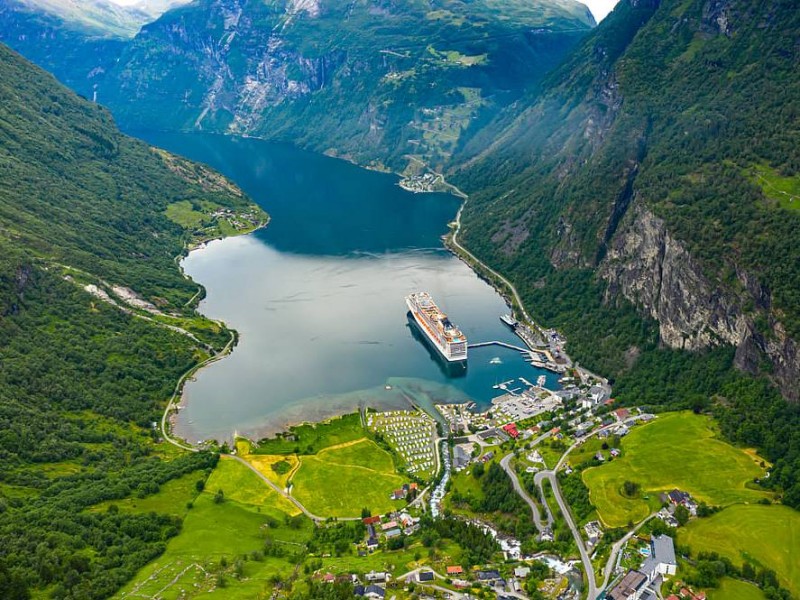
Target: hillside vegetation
<point x="81" y="379"/>
<point x="623" y="200"/>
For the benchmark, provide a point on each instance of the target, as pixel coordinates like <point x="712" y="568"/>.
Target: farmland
<point x="767" y="536"/>
<point x="677" y="450"/>
<point x="341" y="480"/>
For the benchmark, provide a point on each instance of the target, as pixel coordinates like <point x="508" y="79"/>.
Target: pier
<point x="497" y="343"/>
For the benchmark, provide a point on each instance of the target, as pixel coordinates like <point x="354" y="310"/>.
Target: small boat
<point x="541" y="380"/>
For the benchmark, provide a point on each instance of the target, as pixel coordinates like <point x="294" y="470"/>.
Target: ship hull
<point x="451" y="352"/>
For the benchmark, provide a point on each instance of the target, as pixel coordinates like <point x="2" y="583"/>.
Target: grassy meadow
<point x="340" y="480"/>
<point x="310" y="438"/>
<point x="734" y="589"/>
<point x="677" y="450"/>
<point x="768" y="536"/>
<point x="213" y="556"/>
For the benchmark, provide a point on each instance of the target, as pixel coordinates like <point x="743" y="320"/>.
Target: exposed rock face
<point x="648" y="266"/>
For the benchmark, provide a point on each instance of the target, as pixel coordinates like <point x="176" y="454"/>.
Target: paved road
<point x="179" y="387"/>
<point x="615" y="549"/>
<point x="540" y="523"/>
<point x="562" y="505"/>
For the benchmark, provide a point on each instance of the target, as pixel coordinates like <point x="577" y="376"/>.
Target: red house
<point x="511" y="429"/>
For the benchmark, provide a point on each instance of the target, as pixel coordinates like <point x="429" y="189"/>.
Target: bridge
<point x="498" y="343"/>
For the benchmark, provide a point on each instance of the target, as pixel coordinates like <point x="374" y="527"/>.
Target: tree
<point x="681" y="514"/>
<point x="630" y="489"/>
<point x="219" y="497"/>
<point x="365" y="512"/>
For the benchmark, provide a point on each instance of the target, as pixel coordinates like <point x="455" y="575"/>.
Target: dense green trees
<point x="669" y="114"/>
<point x="81" y="381"/>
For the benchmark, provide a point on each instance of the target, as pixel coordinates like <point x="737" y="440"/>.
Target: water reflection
<point x="451" y="370"/>
<point x="318" y="296"/>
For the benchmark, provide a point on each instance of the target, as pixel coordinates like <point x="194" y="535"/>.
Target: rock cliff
<point x="654" y="159"/>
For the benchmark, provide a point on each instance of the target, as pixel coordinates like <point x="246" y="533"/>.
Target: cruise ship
<point x="447" y="338"/>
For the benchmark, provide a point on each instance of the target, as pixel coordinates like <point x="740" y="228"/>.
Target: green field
<point x="340" y="481"/>
<point x="677" y="450"/>
<point x="171" y="499"/>
<point x="191" y="565"/>
<point x="783" y="190"/>
<point x="768" y="535"/>
<point x="733" y="589"/>
<point x="311" y="438"/>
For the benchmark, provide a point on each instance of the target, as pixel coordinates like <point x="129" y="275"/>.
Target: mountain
<point x="96" y="326"/>
<point x="385" y="84"/>
<point x="662" y="159"/>
<point x="76" y="40"/>
<point x="100" y="17"/>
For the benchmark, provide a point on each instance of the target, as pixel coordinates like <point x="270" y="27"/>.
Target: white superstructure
<point x="448" y="339"/>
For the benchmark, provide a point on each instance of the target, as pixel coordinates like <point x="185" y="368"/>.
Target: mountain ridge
<point x="583" y="152"/>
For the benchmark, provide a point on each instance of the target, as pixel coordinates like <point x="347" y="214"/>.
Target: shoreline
<point x="449" y="242"/>
<point x="171" y="410"/>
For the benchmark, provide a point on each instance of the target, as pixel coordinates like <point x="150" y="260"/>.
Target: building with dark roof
<point x="630" y="587"/>
<point x="425" y="576"/>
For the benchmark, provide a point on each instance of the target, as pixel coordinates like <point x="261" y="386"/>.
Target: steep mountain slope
<point x="659" y="169"/>
<point x="77" y="41"/>
<point x="371" y="80"/>
<point x="94" y="334"/>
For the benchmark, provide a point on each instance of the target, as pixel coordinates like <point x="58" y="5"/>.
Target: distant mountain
<point x="76" y="40"/>
<point x="659" y="167"/>
<point x="386" y="84"/>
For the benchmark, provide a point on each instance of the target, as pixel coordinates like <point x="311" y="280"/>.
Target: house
<point x="622" y="413"/>
<point x="511" y="430"/>
<point x="665" y="515"/>
<point x="423" y="576"/>
<point x="389" y="525"/>
<point x="521" y="572"/>
<point x="398" y="495"/>
<point x="597" y="394"/>
<point x="631" y="587"/>
<point x="593" y="532"/>
<point x="461" y="458"/>
<point x="371" y="520"/>
<point x="359" y="590"/>
<point x="488" y="456"/>
<point x="374" y="592"/>
<point x="372" y="543"/>
<point x="392" y="533"/>
<point x="376" y="577"/>
<point x="662" y="558"/>
<point x="455" y="570"/>
<point x="677" y="497"/>
<point x="329" y="578"/>
<point x="487" y="576"/>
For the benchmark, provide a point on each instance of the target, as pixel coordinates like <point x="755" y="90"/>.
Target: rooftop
<point x="630" y="584"/>
<point x="664" y="549"/>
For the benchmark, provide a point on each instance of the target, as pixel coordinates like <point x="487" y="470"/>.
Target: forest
<point x="81" y="381"/>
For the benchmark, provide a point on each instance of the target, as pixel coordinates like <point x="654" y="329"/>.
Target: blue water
<point x="318" y="296"/>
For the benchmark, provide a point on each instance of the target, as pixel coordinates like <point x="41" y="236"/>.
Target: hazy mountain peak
<point x="102" y="17"/>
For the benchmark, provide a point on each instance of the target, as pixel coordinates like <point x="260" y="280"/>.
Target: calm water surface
<point x="318" y="296"/>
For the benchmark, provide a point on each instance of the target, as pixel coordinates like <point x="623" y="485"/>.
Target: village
<point x="521" y="426"/>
